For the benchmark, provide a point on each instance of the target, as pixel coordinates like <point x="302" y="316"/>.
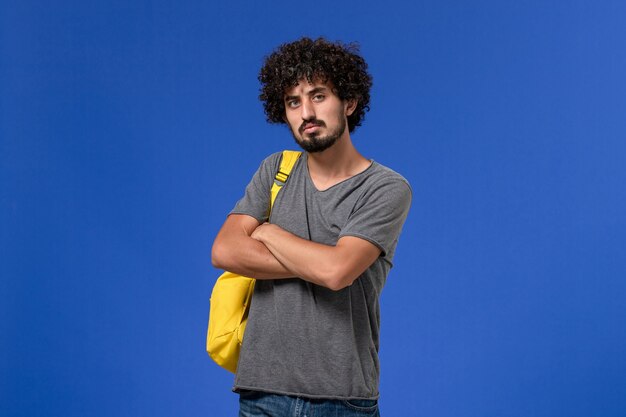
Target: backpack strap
<point x="286" y="165"/>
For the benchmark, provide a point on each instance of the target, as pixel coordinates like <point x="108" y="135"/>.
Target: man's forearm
<point x="334" y="267"/>
<point x="296" y="254"/>
<point x="253" y="260"/>
<point x="235" y="251"/>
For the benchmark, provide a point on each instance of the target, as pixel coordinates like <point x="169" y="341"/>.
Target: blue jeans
<point x="259" y="404"/>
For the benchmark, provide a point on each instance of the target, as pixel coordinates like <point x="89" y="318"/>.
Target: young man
<point x="322" y="258"/>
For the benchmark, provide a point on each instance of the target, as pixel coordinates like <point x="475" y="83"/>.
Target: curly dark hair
<point x="315" y="59"/>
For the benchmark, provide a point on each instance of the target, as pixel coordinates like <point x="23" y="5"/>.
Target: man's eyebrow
<point x="314" y="91"/>
<point x="317" y="90"/>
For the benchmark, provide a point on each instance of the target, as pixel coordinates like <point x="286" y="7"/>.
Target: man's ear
<point x="350" y="106"/>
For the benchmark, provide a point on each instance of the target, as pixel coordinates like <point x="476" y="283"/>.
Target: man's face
<point x="316" y="116"/>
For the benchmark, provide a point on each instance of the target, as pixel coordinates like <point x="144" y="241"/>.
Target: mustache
<point x="309" y="123"/>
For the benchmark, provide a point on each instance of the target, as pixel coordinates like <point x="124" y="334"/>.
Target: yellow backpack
<point x="232" y="293"/>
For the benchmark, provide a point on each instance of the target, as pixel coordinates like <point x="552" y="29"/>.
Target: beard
<point x="315" y="142"/>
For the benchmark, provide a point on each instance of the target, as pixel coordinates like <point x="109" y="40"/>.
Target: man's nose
<point x="308" y="112"/>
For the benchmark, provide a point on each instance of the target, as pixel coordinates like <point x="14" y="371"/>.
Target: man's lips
<point x="309" y="127"/>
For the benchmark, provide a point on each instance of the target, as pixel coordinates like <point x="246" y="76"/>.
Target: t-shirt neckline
<point x="310" y="180"/>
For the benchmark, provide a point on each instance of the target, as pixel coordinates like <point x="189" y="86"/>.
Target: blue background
<point x="129" y="129"/>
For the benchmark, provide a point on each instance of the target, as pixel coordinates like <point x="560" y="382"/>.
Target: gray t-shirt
<point x="304" y="339"/>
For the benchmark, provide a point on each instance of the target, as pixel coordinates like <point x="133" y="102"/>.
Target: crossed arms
<point x="266" y="251"/>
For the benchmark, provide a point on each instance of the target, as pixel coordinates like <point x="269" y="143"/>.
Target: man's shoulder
<point x="384" y="174"/>
<point x="271" y="163"/>
<point x="273" y="159"/>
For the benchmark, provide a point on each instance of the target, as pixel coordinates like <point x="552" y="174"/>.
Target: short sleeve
<point x="380" y="213"/>
<point x="256" y="199"/>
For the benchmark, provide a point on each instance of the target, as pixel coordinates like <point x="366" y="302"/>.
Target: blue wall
<point x="129" y="129"/>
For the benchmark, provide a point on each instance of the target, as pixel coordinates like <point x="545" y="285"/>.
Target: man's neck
<point x="335" y="164"/>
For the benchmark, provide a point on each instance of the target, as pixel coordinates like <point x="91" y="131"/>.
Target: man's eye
<point x="292" y="103"/>
<point x="318" y="97"/>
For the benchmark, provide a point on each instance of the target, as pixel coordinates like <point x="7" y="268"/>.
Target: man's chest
<point x="314" y="215"/>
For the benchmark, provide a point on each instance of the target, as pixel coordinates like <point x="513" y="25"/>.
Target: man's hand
<point x="257" y="234"/>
